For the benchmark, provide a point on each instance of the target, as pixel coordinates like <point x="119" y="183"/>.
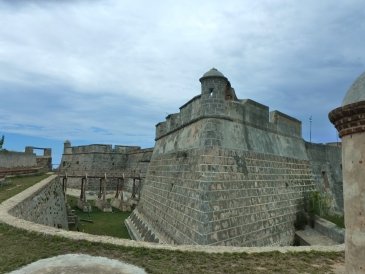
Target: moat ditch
<point x="97" y="222"/>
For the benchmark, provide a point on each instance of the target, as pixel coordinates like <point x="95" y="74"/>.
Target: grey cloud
<point x="96" y="69"/>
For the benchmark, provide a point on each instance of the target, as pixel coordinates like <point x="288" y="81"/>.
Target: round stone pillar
<point x="349" y="120"/>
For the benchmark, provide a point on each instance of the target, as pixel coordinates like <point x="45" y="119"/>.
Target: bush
<point x="320" y="205"/>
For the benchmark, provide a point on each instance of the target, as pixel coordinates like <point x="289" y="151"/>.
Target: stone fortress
<point x="223" y="171"/>
<point x="206" y="186"/>
<point x="226" y="171"/>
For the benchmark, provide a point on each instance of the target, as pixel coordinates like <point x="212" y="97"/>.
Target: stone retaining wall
<point x="45" y="206"/>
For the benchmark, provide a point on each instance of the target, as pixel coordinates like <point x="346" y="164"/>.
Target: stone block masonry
<point x="223" y="197"/>
<point x="46" y="206"/>
<point x="97" y="160"/>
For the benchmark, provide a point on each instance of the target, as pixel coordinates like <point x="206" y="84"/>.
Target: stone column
<point x="349" y="120"/>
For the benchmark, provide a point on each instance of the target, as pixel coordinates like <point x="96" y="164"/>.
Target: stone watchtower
<point x="215" y="89"/>
<point x="349" y="120"/>
<point x="213" y="84"/>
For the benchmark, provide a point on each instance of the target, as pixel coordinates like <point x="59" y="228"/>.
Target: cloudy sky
<point x="108" y="71"/>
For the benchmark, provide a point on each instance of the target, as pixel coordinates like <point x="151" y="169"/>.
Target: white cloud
<point x="120" y="66"/>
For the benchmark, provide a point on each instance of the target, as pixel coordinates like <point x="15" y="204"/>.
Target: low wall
<point x="330" y="230"/>
<point x="11" y="159"/>
<point x="45" y="206"/>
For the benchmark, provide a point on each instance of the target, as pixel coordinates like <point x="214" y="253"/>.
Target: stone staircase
<point x="72" y="219"/>
<point x="138" y="229"/>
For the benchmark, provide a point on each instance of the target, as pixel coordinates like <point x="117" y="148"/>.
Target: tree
<point x="2" y="142"/>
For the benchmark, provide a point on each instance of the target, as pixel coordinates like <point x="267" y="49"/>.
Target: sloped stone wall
<point x="218" y="196"/>
<point x="326" y="166"/>
<point x="46" y="206"/>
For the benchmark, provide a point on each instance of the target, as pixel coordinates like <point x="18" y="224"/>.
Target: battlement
<point x="98" y="148"/>
<point x="218" y="100"/>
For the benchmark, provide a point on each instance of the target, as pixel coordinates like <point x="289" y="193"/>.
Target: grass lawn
<point x="18" y="184"/>
<point x="104" y="223"/>
<point x="19" y="247"/>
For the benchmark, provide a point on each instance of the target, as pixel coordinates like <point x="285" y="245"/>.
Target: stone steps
<point x="139" y="226"/>
<point x="310" y="236"/>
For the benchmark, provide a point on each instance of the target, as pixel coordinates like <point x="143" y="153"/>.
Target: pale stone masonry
<point x="349" y="120"/>
<point x="228" y="172"/>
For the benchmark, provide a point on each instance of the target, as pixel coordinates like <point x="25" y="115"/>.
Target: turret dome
<point x="356" y="93"/>
<point x="213" y="73"/>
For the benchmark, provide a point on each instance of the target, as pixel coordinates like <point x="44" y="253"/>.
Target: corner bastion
<point x="226" y="171"/>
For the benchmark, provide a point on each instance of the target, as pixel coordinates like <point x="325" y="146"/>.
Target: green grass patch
<point x="18" y="184"/>
<point x="319" y="204"/>
<point x="339" y="220"/>
<point x="103" y="223"/>
<point x="13" y="255"/>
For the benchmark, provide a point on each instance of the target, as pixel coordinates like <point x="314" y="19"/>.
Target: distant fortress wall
<point x="98" y="160"/>
<point x="17" y="163"/>
<point x="12" y="159"/>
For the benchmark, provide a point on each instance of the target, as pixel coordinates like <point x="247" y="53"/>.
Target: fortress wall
<point x="130" y="160"/>
<point x="171" y="199"/>
<point x="44" y="162"/>
<point x="254" y="197"/>
<point x="253" y="112"/>
<point x="184" y="138"/>
<point x="240" y="136"/>
<point x="286" y="124"/>
<point x="232" y="135"/>
<point x="245" y="111"/>
<point x="326" y="166"/>
<point x="46" y="206"/>
<point x="221" y="197"/>
<point x="92" y="148"/>
<point x="10" y="159"/>
<point x="190" y="110"/>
